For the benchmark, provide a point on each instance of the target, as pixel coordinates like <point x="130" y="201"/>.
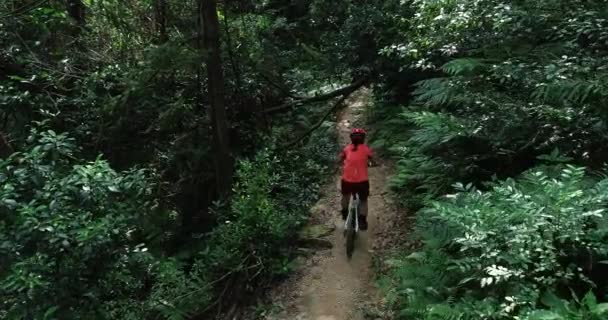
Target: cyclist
<point x="355" y="157"/>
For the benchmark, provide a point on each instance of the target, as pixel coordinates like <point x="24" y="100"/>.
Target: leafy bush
<point x="411" y="137"/>
<point x="502" y="85"/>
<point x="69" y="231"/>
<point x="488" y="112"/>
<point x="271" y="199"/>
<point x="505" y="253"/>
<point x="74" y="236"/>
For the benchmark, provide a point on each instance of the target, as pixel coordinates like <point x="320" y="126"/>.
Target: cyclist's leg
<point x="363" y="190"/>
<point x="363" y="211"/>
<point x="344" y="205"/>
<point x="346" y="191"/>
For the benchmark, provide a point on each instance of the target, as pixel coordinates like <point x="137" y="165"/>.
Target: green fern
<point x="436" y="92"/>
<point x="419" y="178"/>
<point x="587" y="309"/>
<point x="443" y="312"/>
<point x="568" y="92"/>
<point x="464" y="67"/>
<point x="506" y="235"/>
<point x="436" y="128"/>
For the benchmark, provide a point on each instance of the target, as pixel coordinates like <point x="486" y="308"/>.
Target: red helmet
<point x="358" y="131"/>
<point x="357" y="136"/>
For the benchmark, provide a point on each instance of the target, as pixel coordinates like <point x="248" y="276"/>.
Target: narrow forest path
<point x="329" y="286"/>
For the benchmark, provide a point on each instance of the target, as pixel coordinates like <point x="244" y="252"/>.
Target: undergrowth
<point x="529" y="248"/>
<point x="507" y="87"/>
<point x="77" y="238"/>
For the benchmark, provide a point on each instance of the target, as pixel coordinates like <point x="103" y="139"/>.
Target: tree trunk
<point x="76" y="11"/>
<point x="221" y="141"/>
<point x="160" y="13"/>
<point x="5" y="148"/>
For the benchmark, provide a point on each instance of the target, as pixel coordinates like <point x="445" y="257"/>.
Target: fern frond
<point x="435" y="128"/>
<point x="464" y="67"/>
<point x="566" y="92"/>
<point x="443" y="311"/>
<point x="435" y="92"/>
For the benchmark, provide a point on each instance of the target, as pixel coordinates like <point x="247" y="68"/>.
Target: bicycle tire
<point x="351" y="225"/>
<point x="350" y="238"/>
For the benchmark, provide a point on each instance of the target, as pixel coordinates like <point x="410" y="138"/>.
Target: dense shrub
<point x="69" y="230"/>
<point x="508" y="82"/>
<point x="272" y="196"/>
<point x="503" y="86"/>
<point x="77" y="239"/>
<point x="504" y="253"/>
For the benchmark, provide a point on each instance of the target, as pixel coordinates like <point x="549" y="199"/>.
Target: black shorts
<point x="362" y="188"/>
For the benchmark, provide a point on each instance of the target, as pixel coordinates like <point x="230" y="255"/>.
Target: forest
<point x="158" y="157"/>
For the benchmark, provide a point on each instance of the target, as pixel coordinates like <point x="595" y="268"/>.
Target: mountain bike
<point x="351" y="225"/>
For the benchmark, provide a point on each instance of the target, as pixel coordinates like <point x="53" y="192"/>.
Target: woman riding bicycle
<point x="355" y="157"/>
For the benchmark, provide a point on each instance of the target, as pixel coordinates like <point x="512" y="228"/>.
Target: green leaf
<point x="600" y="309"/>
<point x="545" y="315"/>
<point x="50" y="312"/>
<point x="549" y="299"/>
<point x="393" y="263"/>
<point x="590" y="300"/>
<point x="10" y="203"/>
<point x="417" y="256"/>
<point x="17" y="78"/>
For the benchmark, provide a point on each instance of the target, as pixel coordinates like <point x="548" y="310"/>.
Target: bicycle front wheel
<point x="350" y="237"/>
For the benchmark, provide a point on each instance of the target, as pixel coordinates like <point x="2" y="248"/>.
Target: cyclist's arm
<point x="372" y="159"/>
<point x="341" y="157"/>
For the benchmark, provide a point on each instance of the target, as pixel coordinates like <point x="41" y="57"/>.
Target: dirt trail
<point x="329" y="286"/>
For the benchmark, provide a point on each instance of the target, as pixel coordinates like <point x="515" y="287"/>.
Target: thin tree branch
<point x="319" y="123"/>
<point x="24" y="9"/>
<point x="284" y="90"/>
<point x="345" y="91"/>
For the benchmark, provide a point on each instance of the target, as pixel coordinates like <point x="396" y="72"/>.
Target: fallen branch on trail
<point x="344" y="91"/>
<point x="319" y="123"/>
